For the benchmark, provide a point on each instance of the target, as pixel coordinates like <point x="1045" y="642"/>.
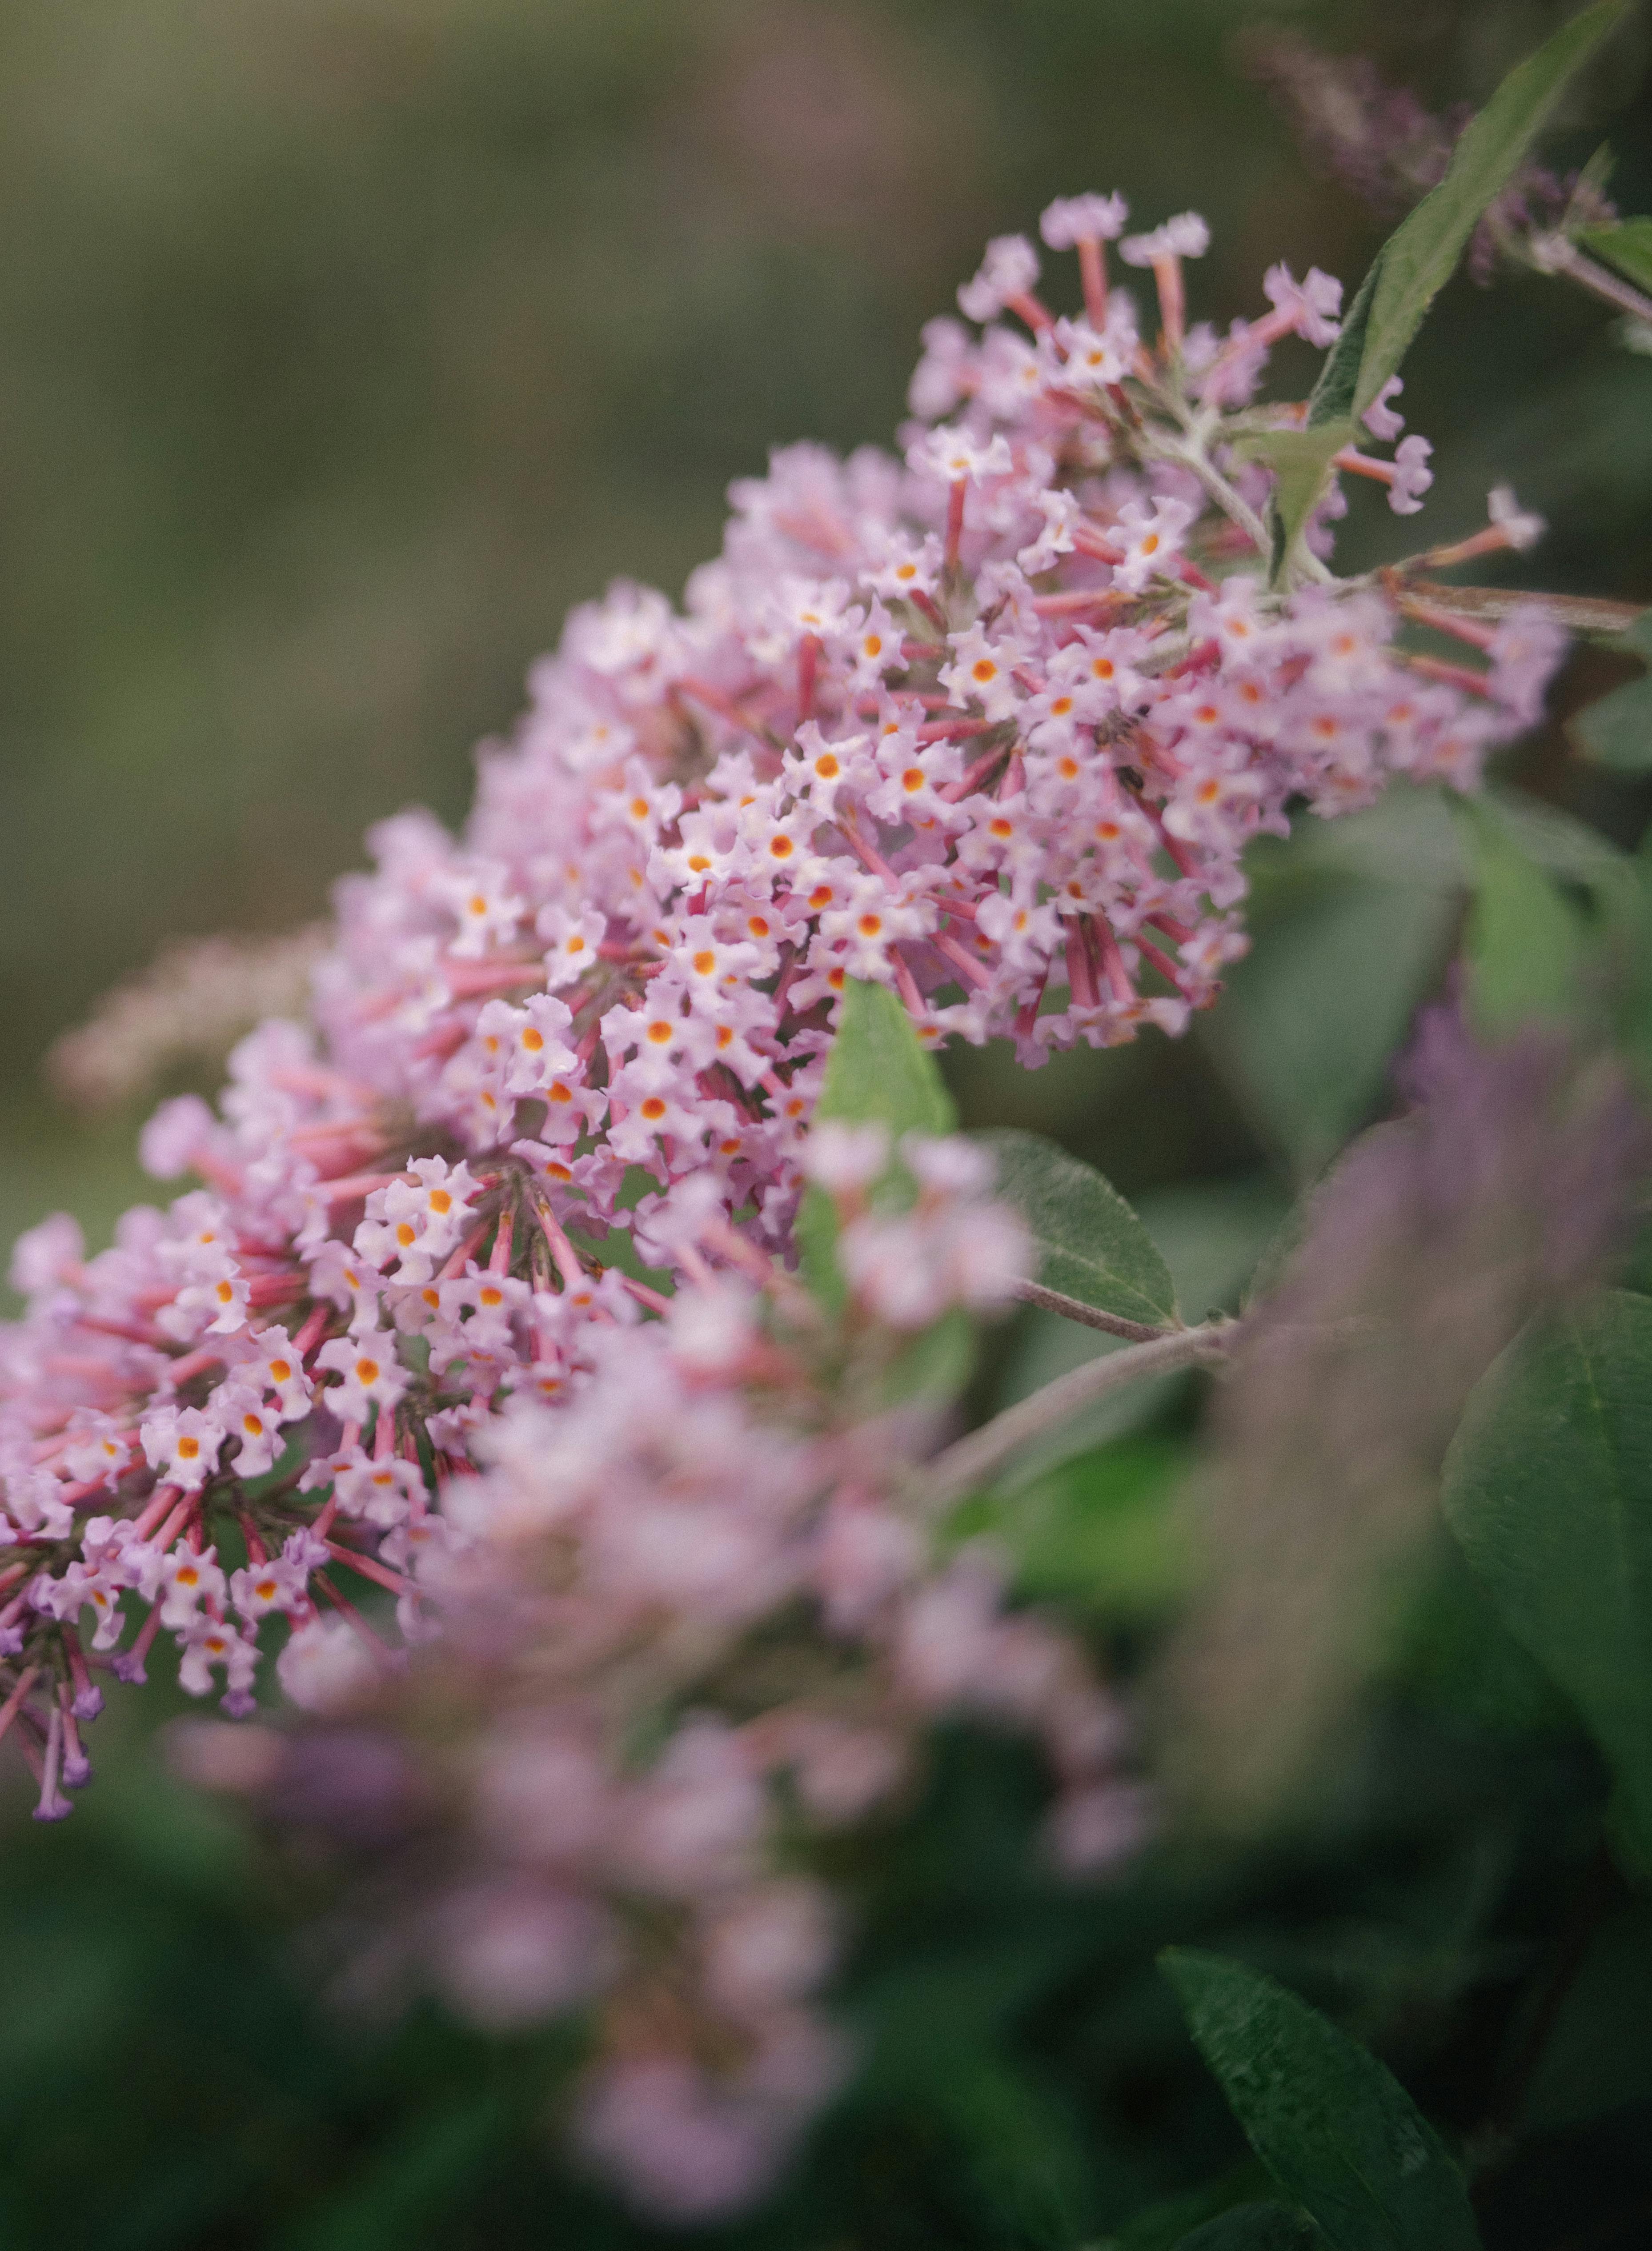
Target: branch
<point x="968" y="1464"/>
<point x="1090" y="1317"/>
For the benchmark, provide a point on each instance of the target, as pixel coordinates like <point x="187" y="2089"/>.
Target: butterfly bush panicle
<point x="693" y="1624"/>
<point x="485" y="1304"/>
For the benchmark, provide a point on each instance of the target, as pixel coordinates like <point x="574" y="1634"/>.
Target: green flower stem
<point x="973" y="1460"/>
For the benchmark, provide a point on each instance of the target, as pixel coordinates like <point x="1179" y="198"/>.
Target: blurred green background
<point x="344" y="344"/>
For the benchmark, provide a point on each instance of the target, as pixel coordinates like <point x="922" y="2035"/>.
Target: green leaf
<point x="1627" y="948"/>
<point x="1024" y="2152"/>
<point x="1312" y="1018"/>
<point x="1616" y="731"/>
<point x="1161" y="2226"/>
<point x="1091" y="1245"/>
<point x="1525" y="941"/>
<point x="1567" y="846"/>
<point x="1627" y="245"/>
<point x="1548" y="1487"/>
<point x="1301" y="461"/>
<point x="817" y="1248"/>
<point x="1336" y="2130"/>
<point x="1595" y="177"/>
<point x="1099" y="1531"/>
<point x="1339" y="961"/>
<point x="1332" y="398"/>
<point x="1455" y="1654"/>
<point x="1211" y="1234"/>
<point x="1597" y="2057"/>
<point x="1253" y="2227"/>
<point x="1412" y="268"/>
<point x="878" y="1069"/>
<point x="936" y="1364"/>
<point x="431" y="2164"/>
<point x="1418" y="258"/>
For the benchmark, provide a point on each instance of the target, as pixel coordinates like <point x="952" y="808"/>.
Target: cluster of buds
<point x="487" y="1299"/>
<point x="693" y="1621"/>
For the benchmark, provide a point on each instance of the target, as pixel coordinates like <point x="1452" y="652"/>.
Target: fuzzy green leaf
<point x="1333" y="396"/>
<point x="1418" y="258"/>
<point x="1338" y="2133"/>
<point x="1548" y="1487"/>
<point x="1091" y="1245"/>
<point x="879" y="1069"/>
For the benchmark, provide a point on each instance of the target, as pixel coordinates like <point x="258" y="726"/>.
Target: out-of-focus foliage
<point x="1617" y="730"/>
<point x="347" y="343"/>
<point x="1565" y="1411"/>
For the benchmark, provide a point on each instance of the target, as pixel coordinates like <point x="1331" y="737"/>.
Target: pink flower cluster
<point x="693" y="1622"/>
<point x="988" y="724"/>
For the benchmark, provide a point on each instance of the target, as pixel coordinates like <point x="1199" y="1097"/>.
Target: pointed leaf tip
<point x="1338" y="2133"/>
<point x="1091" y="1245"/>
